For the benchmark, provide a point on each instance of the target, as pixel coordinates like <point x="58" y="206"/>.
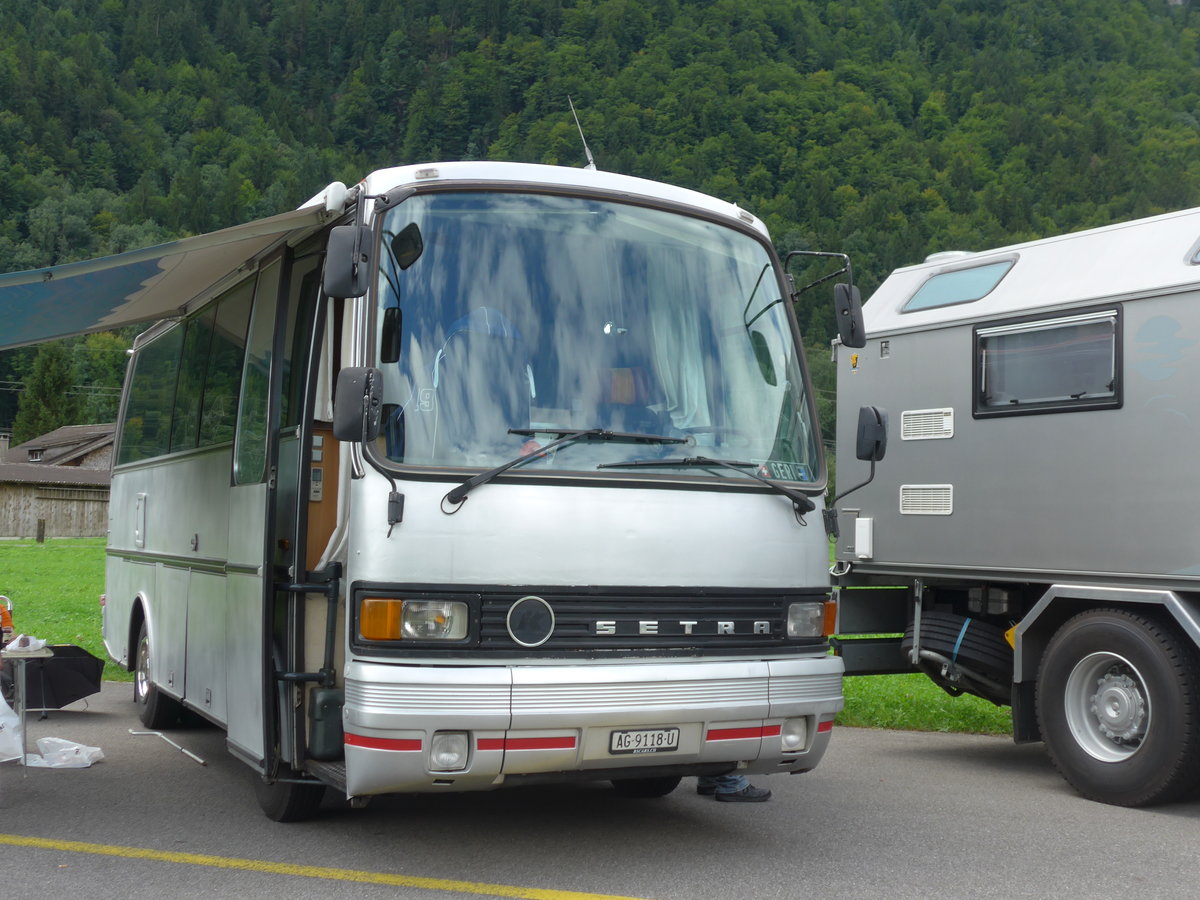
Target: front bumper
<point x="530" y="722"/>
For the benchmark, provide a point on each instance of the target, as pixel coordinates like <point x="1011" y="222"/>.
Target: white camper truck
<point x="560" y="519"/>
<point x="1034" y="498"/>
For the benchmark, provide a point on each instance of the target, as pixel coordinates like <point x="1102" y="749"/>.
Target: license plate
<point x="644" y="740"/>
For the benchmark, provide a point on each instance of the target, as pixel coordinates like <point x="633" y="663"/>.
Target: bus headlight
<point x="448" y="751"/>
<point x="794" y="734"/>
<point x="393" y="619"/>
<point x="812" y="619"/>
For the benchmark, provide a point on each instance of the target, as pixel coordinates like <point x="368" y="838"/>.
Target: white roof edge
<point x="565" y="177"/>
<point x="1124" y="259"/>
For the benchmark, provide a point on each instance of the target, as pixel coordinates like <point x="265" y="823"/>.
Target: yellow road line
<point x="275" y="868"/>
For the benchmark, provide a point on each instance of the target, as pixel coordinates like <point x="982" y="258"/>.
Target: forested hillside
<point x="884" y="128"/>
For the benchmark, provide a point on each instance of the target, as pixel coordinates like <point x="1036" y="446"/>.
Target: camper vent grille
<point x="926" y="499"/>
<point x="926" y="424"/>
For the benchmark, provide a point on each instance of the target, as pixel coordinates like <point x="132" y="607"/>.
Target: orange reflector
<point x="829" y="626"/>
<point x="379" y="618"/>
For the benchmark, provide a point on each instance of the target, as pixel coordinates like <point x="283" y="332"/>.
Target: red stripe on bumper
<point x="741" y="734"/>
<point x="547" y="743"/>
<point x="374" y="743"/>
<point x="825" y="726"/>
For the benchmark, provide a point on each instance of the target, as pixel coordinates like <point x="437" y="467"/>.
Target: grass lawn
<point x="55" y="588"/>
<point x="914" y="703"/>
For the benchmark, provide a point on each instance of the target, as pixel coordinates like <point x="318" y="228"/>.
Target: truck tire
<point x="1118" y="702"/>
<point x="977" y="645"/>
<point x="155" y="709"/>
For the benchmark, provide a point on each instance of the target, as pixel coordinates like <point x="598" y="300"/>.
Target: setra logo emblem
<point x="613" y="628"/>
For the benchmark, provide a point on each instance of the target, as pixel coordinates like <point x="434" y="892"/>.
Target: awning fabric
<point x="138" y="286"/>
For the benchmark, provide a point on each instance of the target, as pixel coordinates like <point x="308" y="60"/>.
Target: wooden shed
<point x="60" y="480"/>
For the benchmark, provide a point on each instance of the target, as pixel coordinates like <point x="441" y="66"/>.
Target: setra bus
<point x="475" y="474"/>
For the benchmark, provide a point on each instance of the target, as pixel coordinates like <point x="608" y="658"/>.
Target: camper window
<point x="1066" y="364"/>
<point x="958" y="286"/>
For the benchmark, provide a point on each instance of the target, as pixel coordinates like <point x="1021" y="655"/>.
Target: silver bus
<point x="474" y="474"/>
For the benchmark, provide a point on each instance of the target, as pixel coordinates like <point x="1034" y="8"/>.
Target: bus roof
<point x="1130" y="259"/>
<point x="166" y="280"/>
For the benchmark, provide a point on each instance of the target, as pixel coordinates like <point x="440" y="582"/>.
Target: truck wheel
<point x="155" y="709"/>
<point x="1118" y="701"/>
<point x="646" y="787"/>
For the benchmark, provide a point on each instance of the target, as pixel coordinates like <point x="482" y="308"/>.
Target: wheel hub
<point x="1119" y="707"/>
<point x="1107" y="706"/>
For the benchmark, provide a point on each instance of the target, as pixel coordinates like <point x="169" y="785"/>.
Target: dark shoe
<point x="748" y="794"/>
<point x="706" y="790"/>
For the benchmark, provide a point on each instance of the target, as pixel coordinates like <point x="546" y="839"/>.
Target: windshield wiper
<point x="459" y="494"/>
<point x="800" y="502"/>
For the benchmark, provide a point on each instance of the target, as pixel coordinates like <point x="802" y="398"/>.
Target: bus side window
<point x="224" y="376"/>
<point x="250" y="441"/>
<point x="146" y="430"/>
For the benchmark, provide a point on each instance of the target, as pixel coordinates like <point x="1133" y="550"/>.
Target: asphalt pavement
<point x="887" y="814"/>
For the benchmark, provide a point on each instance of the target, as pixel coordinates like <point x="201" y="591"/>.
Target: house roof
<point x="40" y="473"/>
<point x="62" y="446"/>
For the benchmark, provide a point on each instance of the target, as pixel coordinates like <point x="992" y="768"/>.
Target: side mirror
<point x="348" y="261"/>
<point x="358" y="404"/>
<point x="847" y="303"/>
<point x="872" y="433"/>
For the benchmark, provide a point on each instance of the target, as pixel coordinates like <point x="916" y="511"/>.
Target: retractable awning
<point x="138" y="286"/>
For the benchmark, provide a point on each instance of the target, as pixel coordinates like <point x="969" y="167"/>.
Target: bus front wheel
<point x="646" y="787"/>
<point x="289" y="799"/>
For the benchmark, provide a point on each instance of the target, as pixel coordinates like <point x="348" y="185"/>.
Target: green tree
<point x="47" y="401"/>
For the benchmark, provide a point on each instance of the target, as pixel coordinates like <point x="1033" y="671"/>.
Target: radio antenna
<point x="588" y="153"/>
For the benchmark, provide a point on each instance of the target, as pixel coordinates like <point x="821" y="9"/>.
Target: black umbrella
<point x="70" y="674"/>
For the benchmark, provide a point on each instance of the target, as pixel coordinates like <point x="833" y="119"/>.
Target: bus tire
<point x="155" y="709"/>
<point x="646" y="787"/>
<point x="289" y="801"/>
<point x="1118" y="702"/>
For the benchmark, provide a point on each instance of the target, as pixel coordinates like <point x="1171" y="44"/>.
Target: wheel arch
<point x="137" y="615"/>
<point x="1061" y="602"/>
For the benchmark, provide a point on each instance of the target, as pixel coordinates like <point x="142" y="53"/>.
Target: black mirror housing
<point x="872" y="433"/>
<point x="358" y="404"/>
<point x="348" y="261"/>
<point x="847" y="303"/>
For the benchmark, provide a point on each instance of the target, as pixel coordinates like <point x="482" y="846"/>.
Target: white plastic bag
<point x="57" y="753"/>
<point x="10" y="733"/>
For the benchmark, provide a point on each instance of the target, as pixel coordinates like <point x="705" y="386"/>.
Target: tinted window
<point x="250" y="445"/>
<point x="224" y="374"/>
<point x="197" y="340"/>
<point x="184" y="389"/>
<point x="1063" y="364"/>
<point x="958" y="286"/>
<point x="146" y="430"/>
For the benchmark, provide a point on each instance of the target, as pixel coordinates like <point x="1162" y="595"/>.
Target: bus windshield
<point x="545" y="315"/>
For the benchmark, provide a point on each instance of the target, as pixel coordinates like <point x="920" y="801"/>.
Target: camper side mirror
<point x="358" y="404"/>
<point x="847" y="303"/>
<point x="348" y="261"/>
<point x="872" y="433"/>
